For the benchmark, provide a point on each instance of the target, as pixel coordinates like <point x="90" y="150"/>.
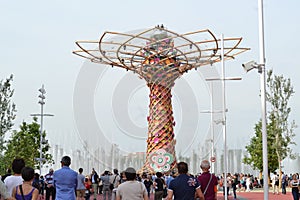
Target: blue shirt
<point x="80" y="182"/>
<point x="184" y="187"/>
<point x="169" y="179"/>
<point x="65" y="182"/>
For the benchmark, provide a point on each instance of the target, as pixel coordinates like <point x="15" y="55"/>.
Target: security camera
<point x="249" y="65"/>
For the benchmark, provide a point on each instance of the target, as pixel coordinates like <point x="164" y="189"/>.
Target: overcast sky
<point x="38" y="37"/>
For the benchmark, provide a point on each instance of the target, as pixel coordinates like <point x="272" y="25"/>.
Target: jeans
<point x="283" y="187"/>
<point x="295" y="195"/>
<point x="224" y="191"/>
<point x="234" y="190"/>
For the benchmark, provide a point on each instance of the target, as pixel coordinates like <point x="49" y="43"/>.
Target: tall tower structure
<point x="159" y="56"/>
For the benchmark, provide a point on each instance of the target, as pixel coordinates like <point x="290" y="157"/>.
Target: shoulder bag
<point x="207" y="185"/>
<point x="112" y="185"/>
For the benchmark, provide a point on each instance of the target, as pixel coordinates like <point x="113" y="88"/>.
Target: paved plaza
<point x="258" y="195"/>
<point x="253" y="195"/>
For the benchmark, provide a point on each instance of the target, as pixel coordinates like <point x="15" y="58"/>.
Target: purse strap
<point x="163" y="183"/>
<point x="115" y="179"/>
<point x="21" y="190"/>
<point x="207" y="184"/>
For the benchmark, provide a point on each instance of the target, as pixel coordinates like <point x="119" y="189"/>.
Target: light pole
<point x="262" y="70"/>
<point x="41" y="102"/>
<point x="263" y="98"/>
<point x="212" y="112"/>
<point x="224" y="110"/>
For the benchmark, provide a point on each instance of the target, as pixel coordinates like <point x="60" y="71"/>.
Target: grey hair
<point x="205" y="164"/>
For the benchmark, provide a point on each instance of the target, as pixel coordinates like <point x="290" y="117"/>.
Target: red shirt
<point x="203" y="180"/>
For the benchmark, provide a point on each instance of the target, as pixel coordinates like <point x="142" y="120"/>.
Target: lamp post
<point x="263" y="98"/>
<point x="212" y="111"/>
<point x="42" y="103"/>
<point x="224" y="110"/>
<point x="262" y="70"/>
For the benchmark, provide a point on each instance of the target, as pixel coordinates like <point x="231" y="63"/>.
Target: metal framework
<point x="159" y="56"/>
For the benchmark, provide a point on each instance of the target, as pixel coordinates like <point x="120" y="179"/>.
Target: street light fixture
<point x="224" y="110"/>
<point x="252" y="65"/>
<point x="42" y="139"/>
<point x="262" y="70"/>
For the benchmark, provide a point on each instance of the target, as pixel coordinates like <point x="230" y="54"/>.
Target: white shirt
<point x="3" y="190"/>
<point x="274" y="179"/>
<point x="12" y="182"/>
<point x="132" y="190"/>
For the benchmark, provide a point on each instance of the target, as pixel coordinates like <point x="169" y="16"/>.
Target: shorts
<point x="80" y="193"/>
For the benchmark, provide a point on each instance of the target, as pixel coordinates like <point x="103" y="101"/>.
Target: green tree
<point x="279" y="131"/>
<point x="7" y="115"/>
<point x="280" y="93"/>
<point x="254" y="149"/>
<point x="25" y="144"/>
<point x="7" y="109"/>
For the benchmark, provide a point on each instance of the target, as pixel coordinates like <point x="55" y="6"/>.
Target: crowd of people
<point x="65" y="183"/>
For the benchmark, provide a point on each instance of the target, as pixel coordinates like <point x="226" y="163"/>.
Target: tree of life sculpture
<point x="159" y="56"/>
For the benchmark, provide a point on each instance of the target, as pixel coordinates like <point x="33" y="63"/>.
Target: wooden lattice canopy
<point x="140" y="51"/>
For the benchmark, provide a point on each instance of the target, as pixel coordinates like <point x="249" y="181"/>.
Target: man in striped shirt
<point x="50" y="190"/>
